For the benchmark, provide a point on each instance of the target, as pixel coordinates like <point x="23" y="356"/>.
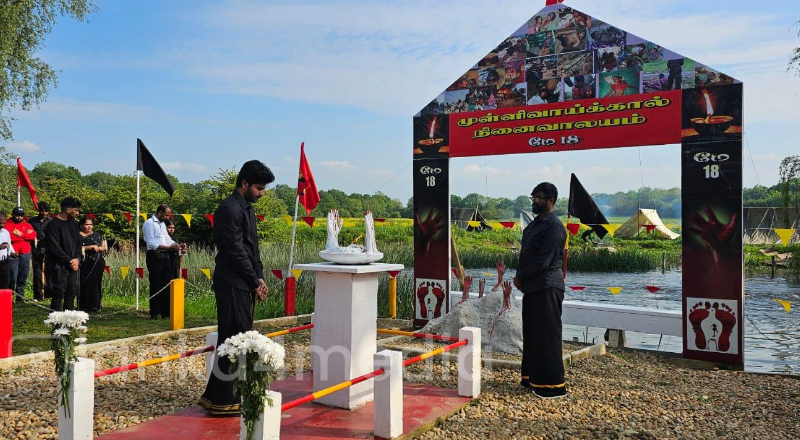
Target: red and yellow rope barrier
<point x="418" y="335"/>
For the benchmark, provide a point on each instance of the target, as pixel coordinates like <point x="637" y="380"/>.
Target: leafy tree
<point x="26" y="79"/>
<point x="789" y="174"/>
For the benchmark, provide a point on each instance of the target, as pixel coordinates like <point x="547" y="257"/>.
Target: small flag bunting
<point x="652" y="289"/>
<point x="260" y="217"/>
<point x="144" y="215"/>
<point x="309" y="221"/>
<point x="455" y="274"/>
<point x="508" y="225"/>
<point x="206" y="272"/>
<point x="577" y="287"/>
<point x="278" y="273"/>
<point x="649" y="228"/>
<point x="188" y="218"/>
<point x="91" y="216"/>
<point x="128" y="216"/>
<point x="573" y="228"/>
<point x="611" y="228"/>
<point x="210" y="218"/>
<point x="140" y="272"/>
<point x="473" y="224"/>
<point x="296" y="273"/>
<point x="785" y="235"/>
<point x="185" y="273"/>
<point x="393" y="273"/>
<point x="124" y="270"/>
<point x="379" y="220"/>
<point x="111" y="216"/>
<point x="614" y="290"/>
<point x="487" y="274"/>
<point x="787" y="305"/>
<point x="107" y="269"/>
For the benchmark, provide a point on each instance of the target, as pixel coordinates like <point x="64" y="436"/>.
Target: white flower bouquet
<point x="67" y="331"/>
<point x="254" y="358"/>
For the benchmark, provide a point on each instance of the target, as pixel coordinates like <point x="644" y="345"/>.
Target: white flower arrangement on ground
<point x="66" y="330"/>
<point x="254" y="358"/>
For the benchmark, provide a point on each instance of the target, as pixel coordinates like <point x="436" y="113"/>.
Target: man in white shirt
<point x="159" y="244"/>
<point x="6" y="251"/>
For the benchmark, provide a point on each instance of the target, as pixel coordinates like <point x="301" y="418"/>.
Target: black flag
<point x="146" y="163"/>
<point x="582" y="206"/>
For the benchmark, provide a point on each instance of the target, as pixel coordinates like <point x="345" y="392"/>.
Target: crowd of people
<point x="66" y="257"/>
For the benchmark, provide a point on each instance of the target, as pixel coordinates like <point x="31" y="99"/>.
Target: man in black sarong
<point x="238" y="278"/>
<point x="540" y="279"/>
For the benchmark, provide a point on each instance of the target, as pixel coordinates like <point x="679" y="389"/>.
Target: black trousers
<point x="542" y="366"/>
<point x="5" y="274"/>
<point x="38" y="275"/>
<point x="234" y="316"/>
<point x="63" y="287"/>
<point x="158" y="273"/>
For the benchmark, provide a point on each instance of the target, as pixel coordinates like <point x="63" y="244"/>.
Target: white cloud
<point x="338" y="164"/>
<point x="185" y="166"/>
<point x="75" y="110"/>
<point x="771" y="157"/>
<point x="24" y="147"/>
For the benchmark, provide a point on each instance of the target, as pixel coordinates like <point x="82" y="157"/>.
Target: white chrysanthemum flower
<point x="80" y="340"/>
<point x="82" y="328"/>
<point x="61" y="331"/>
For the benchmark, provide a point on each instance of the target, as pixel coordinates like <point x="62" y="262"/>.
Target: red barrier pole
<point x="6" y="322"/>
<point x="288" y="296"/>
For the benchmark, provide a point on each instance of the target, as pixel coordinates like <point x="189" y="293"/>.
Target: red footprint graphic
<point x="727" y="317"/>
<point x="438" y="292"/>
<point x="421" y="292"/>
<point x="696" y="316"/>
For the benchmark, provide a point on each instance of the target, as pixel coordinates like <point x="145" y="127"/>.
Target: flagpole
<point x="294" y="229"/>
<point x="138" y="195"/>
<point x="19" y="200"/>
<point x="566" y="250"/>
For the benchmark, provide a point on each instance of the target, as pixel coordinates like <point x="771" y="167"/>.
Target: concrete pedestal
<point x="345" y="314"/>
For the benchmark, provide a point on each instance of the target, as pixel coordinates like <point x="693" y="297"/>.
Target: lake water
<point x="772" y="336"/>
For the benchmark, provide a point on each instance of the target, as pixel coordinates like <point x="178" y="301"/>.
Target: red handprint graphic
<point x="713" y="232"/>
<point x="481" y="287"/>
<point x="429" y="227"/>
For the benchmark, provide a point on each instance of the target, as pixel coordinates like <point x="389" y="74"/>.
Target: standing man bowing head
<point x="159" y="264"/>
<point x="62" y="254"/>
<point x="540" y="279"/>
<point x="238" y="277"/>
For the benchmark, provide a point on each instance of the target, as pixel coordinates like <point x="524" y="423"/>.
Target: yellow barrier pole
<point x="176" y="301"/>
<point x="393" y="297"/>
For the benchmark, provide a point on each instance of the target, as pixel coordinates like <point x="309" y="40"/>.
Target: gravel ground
<point x="622" y="395"/>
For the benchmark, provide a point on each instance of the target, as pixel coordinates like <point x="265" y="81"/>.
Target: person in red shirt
<point x="22" y="235"/>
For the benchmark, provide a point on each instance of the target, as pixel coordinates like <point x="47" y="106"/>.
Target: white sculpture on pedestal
<point x="353" y="254"/>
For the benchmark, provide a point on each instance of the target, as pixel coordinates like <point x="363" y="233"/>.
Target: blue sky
<point x="211" y="84"/>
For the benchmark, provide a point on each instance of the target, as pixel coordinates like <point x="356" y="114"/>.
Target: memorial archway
<point x="568" y="81"/>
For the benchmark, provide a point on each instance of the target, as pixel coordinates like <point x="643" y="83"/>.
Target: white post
<point x="469" y="363"/>
<point x="388" y="408"/>
<point x="294" y="230"/>
<point x="138" y="196"/>
<point x="79" y="424"/>
<point x="268" y="425"/>
<point x="313" y="331"/>
<point x="211" y="339"/>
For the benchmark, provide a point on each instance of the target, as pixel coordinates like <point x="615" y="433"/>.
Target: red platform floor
<point x="422" y="406"/>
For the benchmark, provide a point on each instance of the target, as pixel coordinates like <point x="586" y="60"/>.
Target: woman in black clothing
<point x="92" y="266"/>
<point x="174" y="256"/>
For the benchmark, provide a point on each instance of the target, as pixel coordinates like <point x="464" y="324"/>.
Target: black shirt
<point x="542" y="254"/>
<point x="61" y="241"/>
<point x="238" y="260"/>
<point x="39" y="224"/>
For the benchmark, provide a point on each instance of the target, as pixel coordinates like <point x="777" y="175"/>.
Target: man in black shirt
<point x="540" y="279"/>
<point x="62" y="254"/>
<point x="39" y="223"/>
<point x="238" y="277"/>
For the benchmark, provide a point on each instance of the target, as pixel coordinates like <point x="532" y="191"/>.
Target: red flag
<point x="140" y="272"/>
<point x="306" y="187"/>
<point x="24" y="181"/>
<point x="128" y="216"/>
<point x="309" y="221"/>
<point x="278" y="273"/>
<point x="185" y="273"/>
<point x="508" y="225"/>
<point x="210" y="218"/>
<point x="652" y="289"/>
<point x="573" y="228"/>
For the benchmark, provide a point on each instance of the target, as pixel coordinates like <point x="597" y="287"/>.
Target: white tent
<point x="639" y="222"/>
